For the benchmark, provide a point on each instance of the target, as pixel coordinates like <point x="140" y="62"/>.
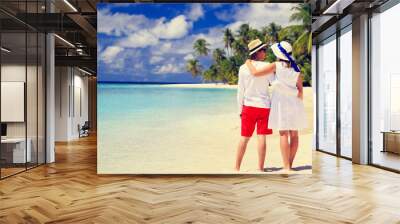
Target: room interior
<point x="48" y="171"/>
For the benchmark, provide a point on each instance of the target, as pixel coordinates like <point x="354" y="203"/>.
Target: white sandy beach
<point x="203" y="144"/>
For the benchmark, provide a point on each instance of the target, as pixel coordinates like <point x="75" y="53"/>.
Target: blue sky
<point x="152" y="42"/>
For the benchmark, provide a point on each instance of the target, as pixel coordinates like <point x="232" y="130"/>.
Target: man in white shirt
<point x="253" y="104"/>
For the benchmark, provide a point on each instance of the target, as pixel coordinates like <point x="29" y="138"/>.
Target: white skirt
<point x="287" y="112"/>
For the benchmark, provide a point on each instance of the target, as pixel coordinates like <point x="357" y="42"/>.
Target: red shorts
<point x="252" y="116"/>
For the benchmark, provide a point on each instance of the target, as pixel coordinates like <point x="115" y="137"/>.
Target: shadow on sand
<point x="299" y="168"/>
<point x="272" y="169"/>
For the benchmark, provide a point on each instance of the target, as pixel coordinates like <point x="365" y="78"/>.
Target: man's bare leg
<point x="294" y="145"/>
<point x="262" y="148"/>
<point x="240" y="151"/>
<point x="285" y="150"/>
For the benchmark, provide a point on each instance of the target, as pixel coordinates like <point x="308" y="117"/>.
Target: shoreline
<point x="181" y="85"/>
<point x="203" y="85"/>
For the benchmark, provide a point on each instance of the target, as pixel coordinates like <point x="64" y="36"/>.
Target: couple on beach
<point x="283" y="111"/>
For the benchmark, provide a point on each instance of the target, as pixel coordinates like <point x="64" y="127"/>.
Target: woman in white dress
<point x="287" y="109"/>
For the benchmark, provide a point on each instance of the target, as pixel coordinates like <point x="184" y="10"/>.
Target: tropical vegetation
<point x="226" y="62"/>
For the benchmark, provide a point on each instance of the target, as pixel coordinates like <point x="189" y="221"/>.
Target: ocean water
<point x="161" y="104"/>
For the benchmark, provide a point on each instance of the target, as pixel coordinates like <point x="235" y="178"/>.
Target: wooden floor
<point x="69" y="191"/>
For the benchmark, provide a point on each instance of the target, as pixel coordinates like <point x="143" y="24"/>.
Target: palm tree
<point x="271" y="33"/>
<point x="211" y="73"/>
<point x="291" y="33"/>
<point x="306" y="70"/>
<point x="226" y="62"/>
<point x="303" y="44"/>
<point x="243" y="32"/>
<point x="228" y="40"/>
<point x="254" y="34"/>
<point x="233" y="78"/>
<point x="218" y="55"/>
<point x="303" y="14"/>
<point x="240" y="49"/>
<point x="193" y="66"/>
<point x="200" y="47"/>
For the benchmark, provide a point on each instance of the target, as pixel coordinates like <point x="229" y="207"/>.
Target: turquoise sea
<point x="161" y="104"/>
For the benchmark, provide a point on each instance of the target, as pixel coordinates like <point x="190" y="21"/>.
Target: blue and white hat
<point x="283" y="51"/>
<point x="278" y="53"/>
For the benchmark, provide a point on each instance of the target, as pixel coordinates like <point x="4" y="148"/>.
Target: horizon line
<point x="147" y="82"/>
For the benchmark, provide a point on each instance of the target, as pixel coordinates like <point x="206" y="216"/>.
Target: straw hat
<point x="255" y="45"/>
<point x="278" y="53"/>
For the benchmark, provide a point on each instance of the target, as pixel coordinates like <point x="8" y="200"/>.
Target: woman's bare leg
<point x="262" y="148"/>
<point x="285" y="150"/>
<point x="294" y="145"/>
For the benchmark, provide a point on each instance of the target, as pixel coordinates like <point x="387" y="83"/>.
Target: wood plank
<point x="70" y="191"/>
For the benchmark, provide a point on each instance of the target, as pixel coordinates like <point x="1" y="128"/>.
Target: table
<point x="19" y="155"/>
<point x="391" y="141"/>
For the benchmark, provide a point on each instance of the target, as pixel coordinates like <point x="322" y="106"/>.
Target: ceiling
<point x="328" y="15"/>
<point x="74" y="22"/>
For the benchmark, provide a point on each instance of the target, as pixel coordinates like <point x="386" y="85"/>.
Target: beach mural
<point x="168" y="86"/>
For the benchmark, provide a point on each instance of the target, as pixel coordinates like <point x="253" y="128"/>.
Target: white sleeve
<point x="240" y="93"/>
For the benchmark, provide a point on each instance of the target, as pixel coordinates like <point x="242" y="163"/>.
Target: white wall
<point x="70" y="84"/>
<point x="62" y="81"/>
<point x="13" y="72"/>
<point x="79" y="112"/>
<point x="16" y="72"/>
<point x="13" y="101"/>
<point x="33" y="127"/>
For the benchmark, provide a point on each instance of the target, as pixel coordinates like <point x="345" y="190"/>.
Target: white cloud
<point x="224" y="15"/>
<point x="142" y="38"/>
<point x="125" y="60"/>
<point x="169" y="68"/>
<point x="234" y="27"/>
<point x="188" y="57"/>
<point x="138" y="31"/>
<point x="196" y="12"/>
<point x="262" y="14"/>
<point x="119" y="24"/>
<point x="174" y="29"/>
<point x="165" y="47"/>
<point x="138" y="66"/>
<point x="155" y="59"/>
<point x="177" y="28"/>
<point x="184" y="46"/>
<point x="214" y="37"/>
<point x="110" y="53"/>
